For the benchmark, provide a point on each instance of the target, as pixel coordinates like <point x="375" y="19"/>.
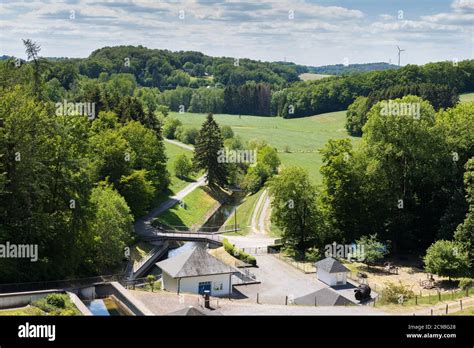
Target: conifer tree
<point x="206" y="153"/>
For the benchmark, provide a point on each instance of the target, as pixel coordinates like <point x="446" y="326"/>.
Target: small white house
<point x="331" y="272"/>
<point x="195" y="271"/>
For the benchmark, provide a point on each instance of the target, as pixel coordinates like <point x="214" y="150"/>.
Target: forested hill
<point x="167" y="69"/>
<point x="339" y="69"/>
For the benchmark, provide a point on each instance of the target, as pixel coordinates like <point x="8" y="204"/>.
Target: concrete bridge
<point x="165" y="235"/>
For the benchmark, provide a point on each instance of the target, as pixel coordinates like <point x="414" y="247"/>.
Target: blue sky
<point x="303" y="31"/>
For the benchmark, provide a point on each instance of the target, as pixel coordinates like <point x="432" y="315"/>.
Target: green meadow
<point x="466" y="98"/>
<point x="297" y="140"/>
<point x="172" y="152"/>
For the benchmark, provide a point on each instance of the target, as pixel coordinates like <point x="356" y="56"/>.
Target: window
<point x="218" y="286"/>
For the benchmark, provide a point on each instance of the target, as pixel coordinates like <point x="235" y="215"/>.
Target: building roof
<point x="188" y="311"/>
<point x="331" y="265"/>
<point x="194" y="262"/>
<point x="323" y="297"/>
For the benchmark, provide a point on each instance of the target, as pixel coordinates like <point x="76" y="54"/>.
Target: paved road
<point x="278" y="280"/>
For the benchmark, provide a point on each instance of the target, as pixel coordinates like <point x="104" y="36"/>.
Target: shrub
<point x="186" y="135"/>
<point x="227" y="132"/>
<point x="312" y="254"/>
<point x="466" y="283"/>
<point x="183" y="166"/>
<point x="56" y="300"/>
<point x="56" y="304"/>
<point x="239" y="254"/>
<point x="396" y="293"/>
<point x="169" y="127"/>
<point x="447" y="258"/>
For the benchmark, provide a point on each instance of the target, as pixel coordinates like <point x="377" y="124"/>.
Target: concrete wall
<point x="122" y="294"/>
<point x="168" y="283"/>
<point x="78" y="303"/>
<point x="219" y="284"/>
<point x="21" y="299"/>
<point x="331" y="278"/>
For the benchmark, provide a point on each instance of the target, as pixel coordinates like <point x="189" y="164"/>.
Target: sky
<point x="306" y="32"/>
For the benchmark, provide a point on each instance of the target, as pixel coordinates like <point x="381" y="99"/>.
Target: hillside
<point x="297" y="140"/>
<point x="340" y="69"/>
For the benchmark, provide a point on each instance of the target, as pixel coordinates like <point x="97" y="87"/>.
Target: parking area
<point x="278" y="280"/>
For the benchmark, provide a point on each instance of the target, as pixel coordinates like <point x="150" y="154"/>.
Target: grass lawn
<point x="311" y="76"/>
<point x="28" y="310"/>
<point x="467" y="97"/>
<point x="304" y="136"/>
<point x="196" y="206"/>
<point x="244" y="214"/>
<point x="468" y="311"/>
<point x="139" y="251"/>
<point x="173" y="151"/>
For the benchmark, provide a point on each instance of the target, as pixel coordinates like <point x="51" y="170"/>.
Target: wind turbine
<point x="399" y="51"/>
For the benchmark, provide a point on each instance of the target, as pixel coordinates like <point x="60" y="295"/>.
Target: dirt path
<point x="263" y="215"/>
<point x="256" y="222"/>
<point x="258" y="237"/>
<point x="180" y="144"/>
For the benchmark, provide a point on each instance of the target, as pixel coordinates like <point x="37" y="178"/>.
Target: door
<point x="203" y="286"/>
<point x="340" y="278"/>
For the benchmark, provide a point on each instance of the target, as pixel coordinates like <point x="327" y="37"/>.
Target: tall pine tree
<point x="206" y="152"/>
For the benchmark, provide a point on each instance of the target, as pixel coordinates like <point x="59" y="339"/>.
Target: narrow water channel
<point x="215" y="222"/>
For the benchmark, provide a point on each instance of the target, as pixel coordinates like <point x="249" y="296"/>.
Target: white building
<point x="331" y="272"/>
<point x="194" y="271"/>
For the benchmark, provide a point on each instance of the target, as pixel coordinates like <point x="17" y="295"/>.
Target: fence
<point x="306" y="267"/>
<point x="255" y="250"/>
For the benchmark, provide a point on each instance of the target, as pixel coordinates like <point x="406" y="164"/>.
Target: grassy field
<point x="465" y="98"/>
<point x="468" y="311"/>
<point x="173" y="151"/>
<point x="244" y="214"/>
<point x="304" y="136"/>
<point x="196" y="206"/>
<point x="24" y="311"/>
<point x="311" y="76"/>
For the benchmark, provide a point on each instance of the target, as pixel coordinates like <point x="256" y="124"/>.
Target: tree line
<point x="69" y="183"/>
<point x="409" y="183"/>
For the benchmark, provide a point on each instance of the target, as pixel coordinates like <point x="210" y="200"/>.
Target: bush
<point x="312" y="255"/>
<point x="56" y="300"/>
<point x="396" y="293"/>
<point x="183" y="166"/>
<point x="466" y="283"/>
<point x="227" y="132"/>
<point x="169" y="127"/>
<point x="186" y="135"/>
<point x="247" y="258"/>
<point x="56" y="304"/>
<point x="447" y="258"/>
